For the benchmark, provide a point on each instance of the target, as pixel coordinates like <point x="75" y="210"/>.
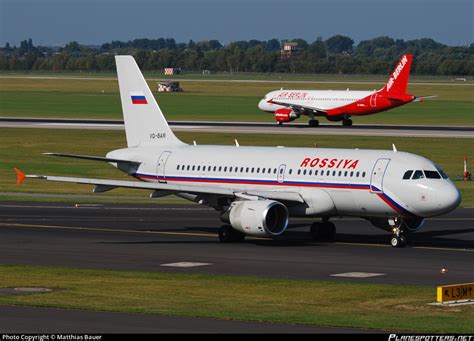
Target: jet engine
<point x="285" y="115"/>
<point x="410" y="224"/>
<point x="258" y="218"/>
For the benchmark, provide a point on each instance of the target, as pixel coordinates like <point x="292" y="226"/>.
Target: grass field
<point x="22" y="148"/>
<point x="370" y="306"/>
<point x="224" y="101"/>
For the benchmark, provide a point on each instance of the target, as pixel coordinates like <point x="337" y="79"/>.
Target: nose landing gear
<point x="398" y="239"/>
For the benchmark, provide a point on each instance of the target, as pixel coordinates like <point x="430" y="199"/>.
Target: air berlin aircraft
<point x="288" y="105"/>
<point x="257" y="189"/>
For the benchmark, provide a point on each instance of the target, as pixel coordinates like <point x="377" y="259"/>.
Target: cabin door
<point x="378" y="172"/>
<point x="160" y="167"/>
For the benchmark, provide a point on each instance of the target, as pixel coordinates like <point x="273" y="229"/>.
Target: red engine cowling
<point x="285" y="115"/>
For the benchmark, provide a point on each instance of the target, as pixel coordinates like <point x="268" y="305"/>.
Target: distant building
<point x="169" y="87"/>
<point x="289" y="49"/>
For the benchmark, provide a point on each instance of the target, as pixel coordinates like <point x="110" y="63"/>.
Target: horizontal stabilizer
<point x="422" y="98"/>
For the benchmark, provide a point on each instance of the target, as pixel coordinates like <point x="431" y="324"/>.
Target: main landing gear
<point x="347" y="122"/>
<point x="229" y="235"/>
<point x="313" y="123"/>
<point x="323" y="231"/>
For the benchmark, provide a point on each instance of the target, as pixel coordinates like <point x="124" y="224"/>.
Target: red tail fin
<point x="398" y="81"/>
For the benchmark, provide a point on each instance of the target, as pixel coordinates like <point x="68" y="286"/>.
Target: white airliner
<point x="258" y="188"/>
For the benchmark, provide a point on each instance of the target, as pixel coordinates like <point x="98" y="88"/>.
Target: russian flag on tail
<point x="138" y="98"/>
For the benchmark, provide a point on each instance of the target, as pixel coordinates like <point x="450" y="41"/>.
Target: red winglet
<point x="20" y="176"/>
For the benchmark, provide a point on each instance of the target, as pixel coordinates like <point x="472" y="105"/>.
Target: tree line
<point x="335" y="55"/>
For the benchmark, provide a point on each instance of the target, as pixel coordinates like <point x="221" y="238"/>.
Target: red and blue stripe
<point x="389" y="201"/>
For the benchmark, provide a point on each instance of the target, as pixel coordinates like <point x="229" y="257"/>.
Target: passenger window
<point x="299" y="171"/>
<point x="291" y="171"/>
<point x="188" y="167"/>
<point x="432" y="174"/>
<point x="258" y="170"/>
<point x="225" y="169"/>
<point x="177" y="167"/>
<point x="252" y="170"/>
<point x="304" y="172"/>
<point x="407" y="175"/>
<point x="275" y="171"/>
<point x="263" y="170"/>
<point x="310" y="172"/>
<point x="363" y="174"/>
<point x="418" y="175"/>
<point x="220" y="168"/>
<point x="316" y="172"/>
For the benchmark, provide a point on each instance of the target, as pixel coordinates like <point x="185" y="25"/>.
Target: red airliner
<point x="288" y="105"/>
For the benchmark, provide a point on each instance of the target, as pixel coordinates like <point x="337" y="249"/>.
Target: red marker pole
<point x="466" y="174"/>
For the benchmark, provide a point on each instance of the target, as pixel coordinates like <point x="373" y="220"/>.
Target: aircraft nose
<point x="262" y="104"/>
<point x="449" y="198"/>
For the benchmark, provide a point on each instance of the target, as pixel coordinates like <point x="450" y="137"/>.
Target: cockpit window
<point x="418" y="175"/>
<point x="432" y="174"/>
<point x="443" y="174"/>
<point x="407" y="175"/>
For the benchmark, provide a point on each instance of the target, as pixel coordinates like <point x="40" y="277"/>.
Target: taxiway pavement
<point x="147" y="237"/>
<point x="254" y="127"/>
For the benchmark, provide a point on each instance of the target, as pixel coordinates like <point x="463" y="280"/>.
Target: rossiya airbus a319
<point x="257" y="189"/>
<point x="337" y="105"/>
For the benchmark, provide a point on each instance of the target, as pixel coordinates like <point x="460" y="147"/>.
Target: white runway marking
<point x="358" y="275"/>
<point x="185" y="264"/>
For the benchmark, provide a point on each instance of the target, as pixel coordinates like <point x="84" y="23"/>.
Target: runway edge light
<point x="20" y="176"/>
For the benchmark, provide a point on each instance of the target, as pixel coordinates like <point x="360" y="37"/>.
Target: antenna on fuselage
<point x="394" y="148"/>
<point x="236" y="143"/>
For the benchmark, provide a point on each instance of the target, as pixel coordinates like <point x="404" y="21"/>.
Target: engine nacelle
<point x="285" y="115"/>
<point x="410" y="224"/>
<point x="259" y="217"/>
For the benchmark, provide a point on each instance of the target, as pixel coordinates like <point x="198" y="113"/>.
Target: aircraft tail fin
<point x="145" y="124"/>
<point x="398" y="81"/>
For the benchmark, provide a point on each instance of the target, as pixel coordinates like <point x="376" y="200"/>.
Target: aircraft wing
<point x="104" y="185"/>
<point x="299" y="108"/>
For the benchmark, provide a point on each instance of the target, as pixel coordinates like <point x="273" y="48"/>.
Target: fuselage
<point x="364" y="183"/>
<point x="333" y="103"/>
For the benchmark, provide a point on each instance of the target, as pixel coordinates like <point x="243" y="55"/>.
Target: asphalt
<point x="34" y="320"/>
<point x="143" y="237"/>
<point x="147" y="237"/>
<point x="254" y="127"/>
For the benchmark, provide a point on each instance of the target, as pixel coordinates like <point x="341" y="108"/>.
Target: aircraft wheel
<point x="315" y="230"/>
<point x="228" y="235"/>
<point x="398" y="241"/>
<point x="347" y="122"/>
<point x="280" y="123"/>
<point x="325" y="231"/>
<point x="313" y="123"/>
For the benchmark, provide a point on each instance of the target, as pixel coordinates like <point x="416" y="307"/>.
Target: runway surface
<point x="253" y="127"/>
<point x="342" y="81"/>
<point x="145" y="237"/>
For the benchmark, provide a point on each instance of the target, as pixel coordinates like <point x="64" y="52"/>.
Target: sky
<point x="93" y="22"/>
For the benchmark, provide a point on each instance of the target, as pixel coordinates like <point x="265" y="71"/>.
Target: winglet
<point x="20" y="176"/>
